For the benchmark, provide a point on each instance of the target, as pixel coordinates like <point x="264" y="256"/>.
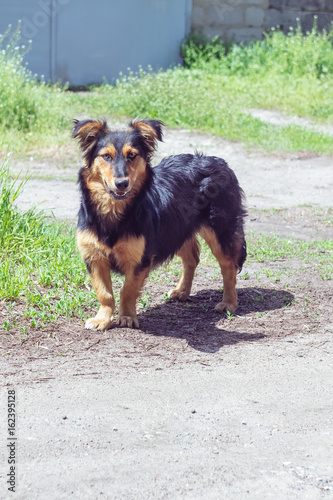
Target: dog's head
<point x="117" y="160"/>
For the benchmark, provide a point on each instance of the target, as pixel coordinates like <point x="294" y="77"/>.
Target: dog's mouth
<point x="118" y="194"/>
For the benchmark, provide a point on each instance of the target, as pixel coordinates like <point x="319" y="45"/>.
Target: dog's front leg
<point x="100" y="276"/>
<point x="129" y="294"/>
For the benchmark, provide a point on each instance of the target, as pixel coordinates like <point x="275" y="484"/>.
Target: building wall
<point x="85" y="41"/>
<point x="245" y="20"/>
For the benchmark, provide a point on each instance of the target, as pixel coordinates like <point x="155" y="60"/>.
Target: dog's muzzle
<point x="120" y="193"/>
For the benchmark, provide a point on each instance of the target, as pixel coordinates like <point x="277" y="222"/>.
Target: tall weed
<point x="26" y="104"/>
<point x="294" y="54"/>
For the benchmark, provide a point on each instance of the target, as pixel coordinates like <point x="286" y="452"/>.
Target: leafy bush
<point x="198" y="50"/>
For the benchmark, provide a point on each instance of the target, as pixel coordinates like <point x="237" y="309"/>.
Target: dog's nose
<point x="121" y="184"/>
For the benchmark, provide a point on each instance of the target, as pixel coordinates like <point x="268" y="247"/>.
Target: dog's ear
<point x="87" y="131"/>
<point x="151" y="131"/>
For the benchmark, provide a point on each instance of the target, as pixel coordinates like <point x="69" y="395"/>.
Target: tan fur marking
<point x="108" y="150"/>
<point x="87" y="133"/>
<point x="95" y="179"/>
<point x="100" y="174"/>
<point x="96" y="255"/>
<point x="89" y="129"/>
<point x="228" y="269"/>
<point x="127" y="148"/>
<point x="209" y="236"/>
<point x="128" y="252"/>
<point x="90" y="247"/>
<point x="128" y="297"/>
<point x="189" y="254"/>
<point x="146" y="131"/>
<point x="137" y="173"/>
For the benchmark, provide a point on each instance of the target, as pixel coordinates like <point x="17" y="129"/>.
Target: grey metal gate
<point x="85" y="41"/>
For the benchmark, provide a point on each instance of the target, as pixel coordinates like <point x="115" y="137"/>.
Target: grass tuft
<point x="30" y="110"/>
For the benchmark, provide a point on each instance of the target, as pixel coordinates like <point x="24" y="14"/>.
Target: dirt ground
<point x="192" y="405"/>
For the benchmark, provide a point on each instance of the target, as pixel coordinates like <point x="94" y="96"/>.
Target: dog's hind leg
<point x="189" y="254"/>
<point x="229" y="271"/>
<point x="128" y="296"/>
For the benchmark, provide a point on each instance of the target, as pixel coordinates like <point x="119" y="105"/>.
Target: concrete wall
<point x="244" y="20"/>
<point x="285" y="12"/>
<point x="85" y="41"/>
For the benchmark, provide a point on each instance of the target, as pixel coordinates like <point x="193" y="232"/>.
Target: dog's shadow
<point x="196" y="320"/>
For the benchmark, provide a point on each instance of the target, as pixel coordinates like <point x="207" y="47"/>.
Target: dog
<point x="134" y="217"/>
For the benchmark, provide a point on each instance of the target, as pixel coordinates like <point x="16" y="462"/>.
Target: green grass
<point x="291" y="73"/>
<point x="293" y="54"/>
<point x="196" y="99"/>
<point x="31" y="111"/>
<point x="319" y="254"/>
<point x="39" y="265"/>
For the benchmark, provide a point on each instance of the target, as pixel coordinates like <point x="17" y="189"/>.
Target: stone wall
<point x="245" y="20"/>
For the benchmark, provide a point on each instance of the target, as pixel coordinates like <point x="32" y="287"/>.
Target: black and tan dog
<point x="134" y="217"/>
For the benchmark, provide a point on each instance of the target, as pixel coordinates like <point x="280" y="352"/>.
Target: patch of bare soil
<point x="305" y="222"/>
<point x="282" y="119"/>
<point x="268" y="309"/>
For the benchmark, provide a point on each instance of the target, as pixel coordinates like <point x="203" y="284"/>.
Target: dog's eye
<point x="131" y="156"/>
<point x="107" y="157"/>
